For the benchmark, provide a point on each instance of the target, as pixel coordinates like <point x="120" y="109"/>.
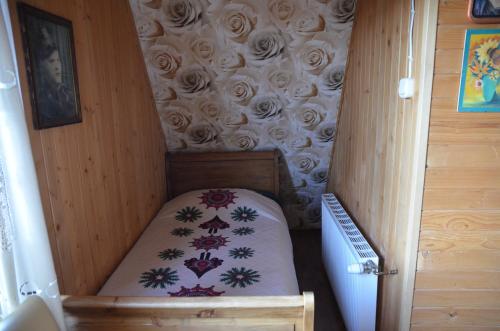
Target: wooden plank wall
<point x="458" y="277"/>
<point x="103" y="180"/>
<point x="374" y="164"/>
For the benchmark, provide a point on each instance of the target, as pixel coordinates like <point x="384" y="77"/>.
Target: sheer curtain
<point x="26" y="266"/>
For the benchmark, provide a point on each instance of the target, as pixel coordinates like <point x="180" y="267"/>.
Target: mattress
<point x="229" y="242"/>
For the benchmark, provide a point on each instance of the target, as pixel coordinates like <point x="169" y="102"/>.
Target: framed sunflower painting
<point x="480" y="81"/>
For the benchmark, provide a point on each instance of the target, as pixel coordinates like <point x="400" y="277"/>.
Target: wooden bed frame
<point x="273" y="313"/>
<point x="185" y="172"/>
<point x="192" y="171"/>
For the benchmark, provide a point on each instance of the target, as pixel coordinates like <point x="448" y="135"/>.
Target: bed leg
<point x="308" y="311"/>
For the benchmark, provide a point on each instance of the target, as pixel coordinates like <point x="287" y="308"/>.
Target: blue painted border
<point x="461" y="108"/>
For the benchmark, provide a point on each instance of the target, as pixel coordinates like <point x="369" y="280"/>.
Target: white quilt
<point x="210" y="243"/>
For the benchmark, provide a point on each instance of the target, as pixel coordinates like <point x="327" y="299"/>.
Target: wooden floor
<point x="312" y="277"/>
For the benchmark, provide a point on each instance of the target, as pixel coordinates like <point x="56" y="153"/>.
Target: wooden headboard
<point x="194" y="171"/>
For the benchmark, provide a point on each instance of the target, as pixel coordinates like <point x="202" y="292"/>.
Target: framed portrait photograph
<point x="484" y="11"/>
<point x="480" y="81"/>
<point x="51" y="67"/>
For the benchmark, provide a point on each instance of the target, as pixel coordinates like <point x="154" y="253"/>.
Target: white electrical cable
<point x="410" y="39"/>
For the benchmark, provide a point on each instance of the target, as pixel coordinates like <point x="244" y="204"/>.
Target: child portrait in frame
<point x="484" y="11"/>
<point x="50" y="63"/>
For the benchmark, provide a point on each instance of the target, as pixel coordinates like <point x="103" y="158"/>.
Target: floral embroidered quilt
<point x="210" y="243"/>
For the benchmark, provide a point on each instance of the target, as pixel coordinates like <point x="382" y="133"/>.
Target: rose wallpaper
<point x="251" y="75"/>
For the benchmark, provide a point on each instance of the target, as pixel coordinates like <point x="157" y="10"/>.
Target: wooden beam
<point x="424" y="97"/>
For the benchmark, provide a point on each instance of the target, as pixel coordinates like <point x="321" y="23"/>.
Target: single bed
<point x="224" y="241"/>
<point x="218" y="237"/>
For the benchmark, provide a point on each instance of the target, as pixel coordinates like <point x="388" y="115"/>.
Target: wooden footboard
<point x="263" y="313"/>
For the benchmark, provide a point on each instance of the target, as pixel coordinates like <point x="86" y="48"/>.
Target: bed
<point x="217" y="255"/>
<point x="214" y="242"/>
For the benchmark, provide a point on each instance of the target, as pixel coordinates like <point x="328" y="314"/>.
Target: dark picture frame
<point x="49" y="53"/>
<point x="483" y="11"/>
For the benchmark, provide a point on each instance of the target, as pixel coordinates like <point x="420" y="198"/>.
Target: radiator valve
<point x="369" y="267"/>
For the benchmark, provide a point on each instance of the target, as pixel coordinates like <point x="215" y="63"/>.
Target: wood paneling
<point x="448" y="280"/>
<point x="465" y="260"/>
<point x="446" y="109"/>
<point x="448" y="61"/>
<point x="464" y="131"/>
<point x="466" y="156"/>
<point x="101" y="181"/>
<point x="463" y="199"/>
<point x="379" y="155"/>
<point x="471" y="298"/>
<point x="452" y="36"/>
<point x="458" y="278"/>
<point x="454" y="328"/>
<point x="455" y="318"/>
<point x="450" y="241"/>
<point x="462" y="177"/>
<point x="461" y="221"/>
<point x="446" y="85"/>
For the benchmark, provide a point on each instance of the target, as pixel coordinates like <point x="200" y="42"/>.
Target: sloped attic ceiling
<point x="251" y="75"/>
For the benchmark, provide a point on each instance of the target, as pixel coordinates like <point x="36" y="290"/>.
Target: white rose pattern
<point x="193" y="79"/>
<point x="320" y="175"/>
<point x="309" y="23"/>
<point x="280" y="79"/>
<point x="332" y="80"/>
<point x="230" y="61"/>
<point x="163" y="94"/>
<point x="148" y="29"/>
<point x="251" y="75"/>
<point x="343" y="10"/>
<point x="237" y="22"/>
<point x="149" y="3"/>
<point x="278" y="134"/>
<point x="282" y="11"/>
<point x="244" y="140"/>
<point x="209" y="107"/>
<point x="326" y="133"/>
<point x="303" y="90"/>
<point x="202" y="49"/>
<point x="201" y="134"/>
<point x="234" y="120"/>
<point x="265" y="45"/>
<point x="176" y="117"/>
<point x="268" y="106"/>
<point x="180" y="14"/>
<point x="299" y="143"/>
<point x="241" y="89"/>
<point x="315" y="56"/>
<point x="309" y="115"/>
<point x="164" y="60"/>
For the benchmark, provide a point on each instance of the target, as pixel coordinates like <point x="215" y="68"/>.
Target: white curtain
<point x="26" y="266"/>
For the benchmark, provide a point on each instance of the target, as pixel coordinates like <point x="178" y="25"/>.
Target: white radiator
<point x="351" y="265"/>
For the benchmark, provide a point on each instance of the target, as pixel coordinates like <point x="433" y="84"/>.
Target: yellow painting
<point x="480" y="82"/>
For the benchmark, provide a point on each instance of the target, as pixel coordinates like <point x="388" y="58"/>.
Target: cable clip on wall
<point x="407" y="85"/>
